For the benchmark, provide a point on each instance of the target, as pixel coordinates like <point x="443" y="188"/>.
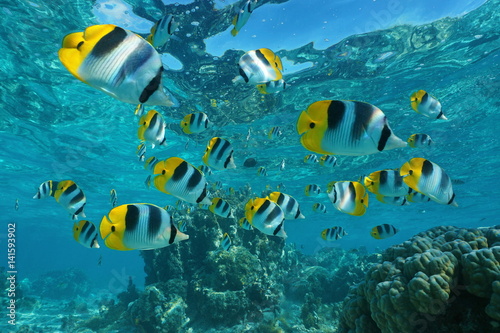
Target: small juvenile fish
<point x="312" y="190"/>
<point x="282" y="165"/>
<point x="332" y="234"/>
<point x="141" y="152"/>
<point x="311" y="158"/>
<point x="262" y="171"/>
<point x="418" y="140"/>
<point x="113" y="197"/>
<point x="426" y="105"/>
<point x="328" y="161"/>
<point x="318" y="207"/>
<point x="274" y="132"/>
<point x="243" y="222"/>
<point x="383" y="231"/>
<point x="16" y="206"/>
<point x="225" y="244"/>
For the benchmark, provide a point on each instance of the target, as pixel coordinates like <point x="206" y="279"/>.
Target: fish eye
<point x="163" y="172"/>
<point x="113" y="228"/>
<point x="144" y="123"/>
<point x="311" y="125"/>
<point x="79" y="45"/>
<point x="251" y="208"/>
<point x="410" y="172"/>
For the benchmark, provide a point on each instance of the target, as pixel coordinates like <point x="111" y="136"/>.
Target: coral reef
<point x="68" y="283"/>
<point x="440" y="280"/>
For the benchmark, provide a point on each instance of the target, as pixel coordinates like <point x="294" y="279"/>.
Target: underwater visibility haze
<point x="310" y="166"/>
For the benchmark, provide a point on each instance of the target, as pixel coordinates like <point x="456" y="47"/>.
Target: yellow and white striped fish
<point x="349" y="197"/>
<point x="312" y="190"/>
<point x="225" y="243"/>
<point x="195" y="123"/>
<point x="242" y="16"/>
<point x="85" y="233"/>
<point x="386" y="182"/>
<point x="182" y="180"/>
<point x="332" y="234"/>
<point x="426" y="105"/>
<point x="311" y="158"/>
<point x="259" y="66"/>
<point x="346" y="128"/>
<point x="274" y="132"/>
<point x="152" y="129"/>
<point x="219" y="154"/>
<point x="289" y="205"/>
<point x="429" y="179"/>
<point x="266" y="216"/>
<point x="328" y="161"/>
<point x="113" y="197"/>
<point x="221" y="207"/>
<point x="117" y="62"/>
<point x="383" y="231"/>
<point x="262" y="171"/>
<point x="318" y="207"/>
<point x="161" y="31"/>
<point x="139" y="226"/>
<point x="67" y="193"/>
<point x="418" y="140"/>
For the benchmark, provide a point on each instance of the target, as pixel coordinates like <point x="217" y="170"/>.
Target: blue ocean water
<point x="55" y="127"/>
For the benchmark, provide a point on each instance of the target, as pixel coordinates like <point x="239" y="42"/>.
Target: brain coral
<point x="444" y="279"/>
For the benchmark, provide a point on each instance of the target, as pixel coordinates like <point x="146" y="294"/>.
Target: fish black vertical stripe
<point x="154" y="221"/>
<point x="352" y="191"/>
<point x="173" y="233"/>
<point x="275" y="212"/>
<point x="180" y="171"/>
<point x="451" y="200"/>
<point x="131" y="217"/>
<point x="289" y="205"/>
<point x="79" y="211"/>
<point x="384" y="136"/>
<point x="362" y="115"/>
<point x="383" y="177"/>
<point x="280" y="200"/>
<point x="84" y="228"/>
<point x="109" y="42"/>
<point x="152" y="86"/>
<point x="335" y="114"/>
<point x="194" y="180"/>
<point x="379" y="230"/>
<point x="263" y="207"/>
<point x="297" y="214"/>
<point x="153" y="121"/>
<point x="79" y="197"/>
<point x="222" y="149"/>
<point x="243" y="75"/>
<point x="278" y="228"/>
<point x="425" y="97"/>
<point x="261" y="57"/>
<point x="202" y="195"/>
<point x="427" y="168"/>
<point x="228" y="160"/>
<point x="218" y="204"/>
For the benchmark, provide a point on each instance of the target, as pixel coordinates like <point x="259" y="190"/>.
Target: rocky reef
<point x="442" y="280"/>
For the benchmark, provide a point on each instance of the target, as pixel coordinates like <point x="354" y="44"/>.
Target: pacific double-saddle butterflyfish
<point x="289" y="205"/>
<point x="262" y="171"/>
<point x="311" y="158"/>
<point x="383" y="231"/>
<point x="266" y="216"/>
<point x="221" y="208"/>
<point x="139" y="226"/>
<point x="152" y="129"/>
<point x="332" y="234"/>
<point x="182" y="180"/>
<point x="67" y="194"/>
<point x="225" y="244"/>
<point x="242" y="16"/>
<point x="346" y="128"/>
<point x="328" y="161"/>
<point x="243" y="222"/>
<point x="312" y="190"/>
<point x="219" y="154"/>
<point x="113" y="197"/>
<point x="274" y="133"/>
<point x="418" y="140"/>
<point x="85" y="233"/>
<point x="117" y="62"/>
<point x="272" y="87"/>
<point x="259" y="66"/>
<point x="194" y="123"/>
<point x="349" y="197"/>
<point x="161" y="31"/>
<point x="426" y="105"/>
<point x="386" y="182"/>
<point x="429" y="179"/>
<point x="318" y="207"/>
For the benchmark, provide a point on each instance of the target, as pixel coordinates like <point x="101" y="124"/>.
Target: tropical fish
<point x="288" y="205"/>
<point x="182" y="180"/>
<point x="152" y="129"/>
<point x="139" y="110"/>
<point x="346" y="128"/>
<point x="272" y="87"/>
<point x="281" y="187"/>
<point x="383" y="231"/>
<point x="242" y="16"/>
<point x="182" y="226"/>
<point x="426" y="105"/>
<point x="274" y="132"/>
<point x="318" y="207"/>
<point x="195" y="123"/>
<point x="225" y="243"/>
<point x="117" y="62"/>
<point x="221" y="207"/>
<point x="349" y="197"/>
<point x="151" y="163"/>
<point x="259" y="66"/>
<point x="16" y="205"/>
<point x="386" y="182"/>
<point x="429" y="179"/>
<point x="266" y="216"/>
<point x="139" y="226"/>
<point x="243" y="222"/>
<point x="141" y="152"/>
<point x="333" y="233"/>
<point x="161" y="31"/>
<point x="113" y="197"/>
<point x="418" y="140"/>
<point x="417" y="197"/>
<point x="261" y="171"/>
<point x="205" y="169"/>
<point x="311" y="158"/>
<point x="66" y="193"/>
<point x="312" y="190"/>
<point x="219" y="154"/>
<point x="328" y="161"/>
<point x="85" y="233"/>
<point x="390" y="200"/>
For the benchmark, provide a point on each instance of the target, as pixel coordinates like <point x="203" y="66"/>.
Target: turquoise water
<point x="55" y="127"/>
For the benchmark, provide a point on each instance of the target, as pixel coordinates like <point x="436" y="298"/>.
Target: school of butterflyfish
<point x="128" y="67"/>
